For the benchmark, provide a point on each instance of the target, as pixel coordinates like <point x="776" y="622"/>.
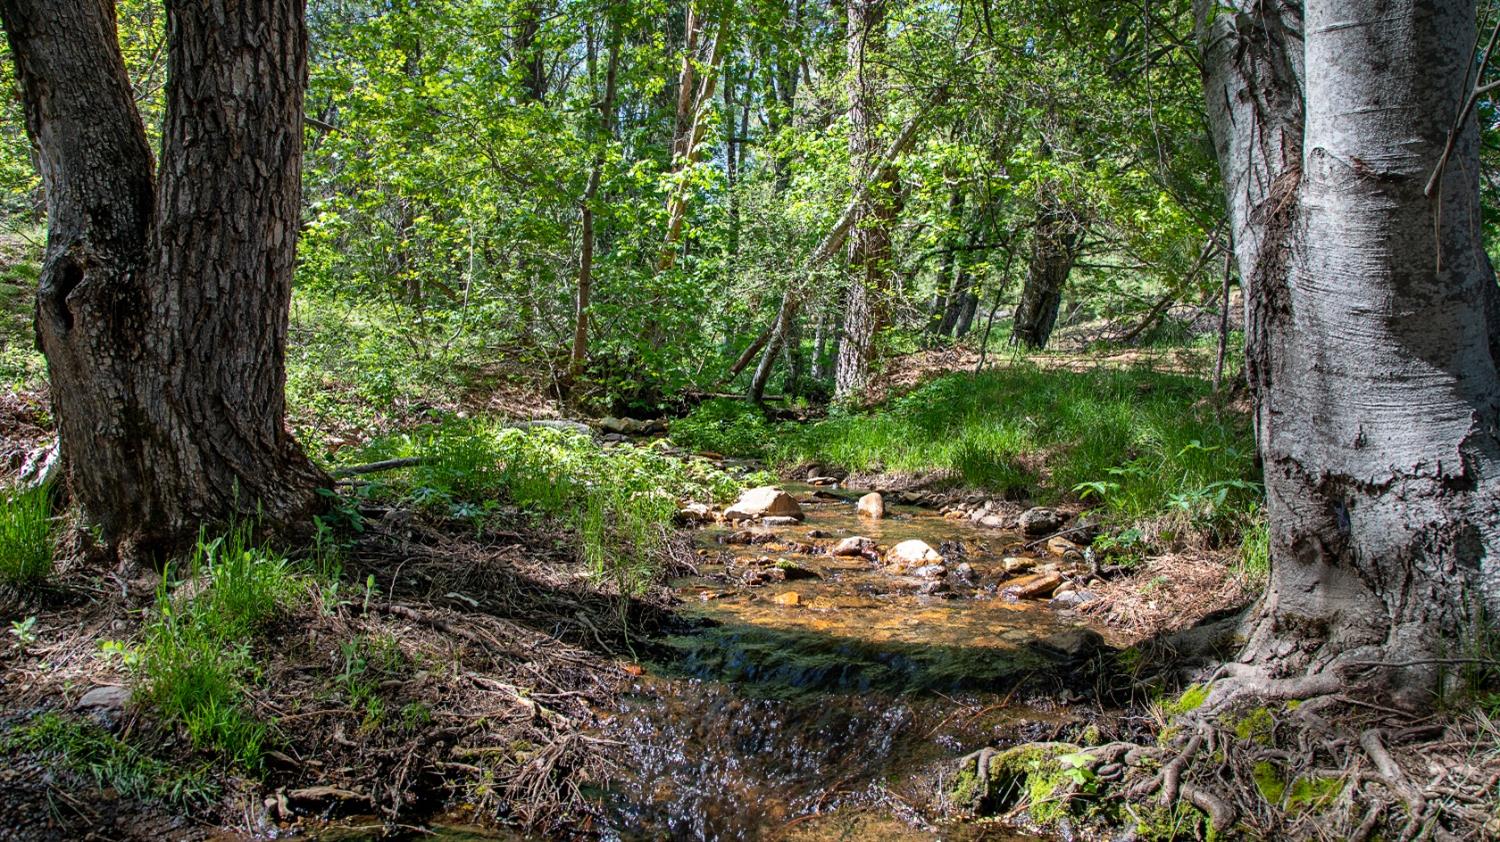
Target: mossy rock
<point x="991" y="781"/>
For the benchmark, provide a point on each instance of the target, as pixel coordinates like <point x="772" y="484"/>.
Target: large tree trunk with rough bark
<point x="870" y="237"/>
<point x="1054" y="250"/>
<point x="1370" y="315"/>
<point x="162" y="309"/>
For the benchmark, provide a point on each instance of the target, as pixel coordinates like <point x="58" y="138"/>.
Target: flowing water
<point x="813" y="697"/>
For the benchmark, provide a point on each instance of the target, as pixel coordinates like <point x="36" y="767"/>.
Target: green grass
<point x="1136" y="442"/>
<point x="25" y="537"/>
<point x="616" y="503"/>
<point x="194" y="662"/>
<point x="80" y="747"/>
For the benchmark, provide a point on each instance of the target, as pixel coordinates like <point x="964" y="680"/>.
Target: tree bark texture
<point x="1368" y="334"/>
<point x="1054" y="250"/>
<point x="162" y="307"/>
<point x="870" y="237"/>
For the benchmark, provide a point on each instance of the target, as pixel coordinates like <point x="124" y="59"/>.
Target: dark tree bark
<point x="1054" y="249"/>
<point x="163" y="312"/>
<point x="1369" y="317"/>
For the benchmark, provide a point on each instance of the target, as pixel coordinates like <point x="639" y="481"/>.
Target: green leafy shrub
<point x="25" y="536"/>
<point x="723" y="425"/>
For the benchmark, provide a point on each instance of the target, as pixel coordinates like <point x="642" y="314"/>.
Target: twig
<point x="1463" y="113"/>
<point x="376" y="467"/>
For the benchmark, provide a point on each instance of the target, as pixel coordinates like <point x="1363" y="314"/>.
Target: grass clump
<point x="193" y="662"/>
<point x="1138" y="442"/>
<point x="25" y="536"/>
<point x="616" y="503"/>
<point x="82" y="748"/>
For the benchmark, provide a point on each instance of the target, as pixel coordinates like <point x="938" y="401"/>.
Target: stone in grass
<point x="1040" y="521"/>
<point x="105" y="699"/>
<point x="693" y="513"/>
<point x="766" y="501"/>
<point x="872" y="505"/>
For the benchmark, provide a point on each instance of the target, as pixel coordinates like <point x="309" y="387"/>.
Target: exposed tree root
<point x="1262" y="767"/>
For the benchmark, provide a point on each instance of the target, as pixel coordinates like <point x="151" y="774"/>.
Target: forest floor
<point x="462" y="664"/>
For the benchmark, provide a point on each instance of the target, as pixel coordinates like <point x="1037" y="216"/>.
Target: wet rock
<point x="762" y="576"/>
<point x="934" y="587"/>
<point x="992" y="522"/>
<point x="1074" y="644"/>
<point x="1038" y="586"/>
<point x="818" y="533"/>
<point x="1059" y="545"/>
<point x="857" y="545"/>
<point x="787" y="598"/>
<point x="826" y="495"/>
<point x="872" y="505"/>
<point x="955" y="514"/>
<point x="766" y="501"/>
<point x="692" y="513"/>
<point x="913" y="553"/>
<point x="821" y="481"/>
<point x="1040" y="521"/>
<point x="793" y="572"/>
<point x="930" y="571"/>
<point x="966" y="573"/>
<point x="746" y="537"/>
<point x="105" y="699"/>
<point x="1072" y="599"/>
<point x="1015" y="565"/>
<point x="778" y="520"/>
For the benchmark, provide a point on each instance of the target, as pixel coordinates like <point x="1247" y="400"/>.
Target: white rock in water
<point x="872" y="505"/>
<point x="768" y="500"/>
<point x="913" y="552"/>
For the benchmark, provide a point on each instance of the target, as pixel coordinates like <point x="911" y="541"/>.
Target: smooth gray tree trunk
<point x="1369" y="324"/>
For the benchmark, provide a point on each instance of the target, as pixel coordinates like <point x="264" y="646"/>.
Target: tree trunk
<point x="164" y="317"/>
<point x="870" y="238"/>
<point x="1054" y="249"/>
<point x="1369" y="325"/>
<point x="584" y="288"/>
<point x="693" y="104"/>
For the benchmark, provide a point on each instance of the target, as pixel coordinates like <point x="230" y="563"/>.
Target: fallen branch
<point x="383" y="465"/>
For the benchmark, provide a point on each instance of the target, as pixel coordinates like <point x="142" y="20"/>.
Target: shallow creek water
<point x="834" y="714"/>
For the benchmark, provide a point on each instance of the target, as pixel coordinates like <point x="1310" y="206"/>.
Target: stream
<point x="814" y="697"/>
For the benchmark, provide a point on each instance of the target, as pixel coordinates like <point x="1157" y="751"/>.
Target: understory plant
<point x="25" y="536"/>
<point x="617" y="503"/>
<point x="194" y="660"/>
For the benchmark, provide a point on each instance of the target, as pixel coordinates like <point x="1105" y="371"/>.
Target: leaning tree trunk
<point x="163" y="317"/>
<point x="1369" y="343"/>
<point x="1054" y="250"/>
